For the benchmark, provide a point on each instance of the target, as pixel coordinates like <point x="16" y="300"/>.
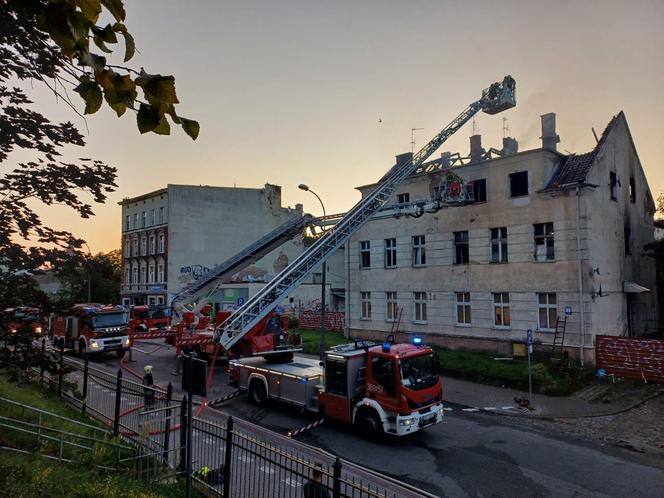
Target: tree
<point x="49" y="41"/>
<point x="103" y="270"/>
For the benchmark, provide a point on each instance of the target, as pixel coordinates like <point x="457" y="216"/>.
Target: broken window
<point x="365" y="300"/>
<point x="419" y="251"/>
<point x="544" y="242"/>
<point x="632" y="190"/>
<point x="613" y="182"/>
<point x="365" y="254"/>
<point x="501" y="309"/>
<point x="403" y="198"/>
<point x="463" y="308"/>
<point x="547" y="309"/>
<point x="519" y="184"/>
<point x="420" y="305"/>
<point x="499" y="245"/>
<point x="390" y="253"/>
<point x="461" y="246"/>
<point x="391" y="306"/>
<point x="479" y="190"/>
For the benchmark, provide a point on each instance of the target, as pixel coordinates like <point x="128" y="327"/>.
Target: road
<point x="470" y="454"/>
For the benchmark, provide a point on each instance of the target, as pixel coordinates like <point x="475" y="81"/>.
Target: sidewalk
<point x="593" y="401"/>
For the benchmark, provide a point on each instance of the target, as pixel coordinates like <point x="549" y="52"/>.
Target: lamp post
<point x="321" y="346"/>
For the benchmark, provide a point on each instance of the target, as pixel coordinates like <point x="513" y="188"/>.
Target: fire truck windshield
<point x="102" y="320"/>
<point x="26" y="316"/>
<point x="419" y="372"/>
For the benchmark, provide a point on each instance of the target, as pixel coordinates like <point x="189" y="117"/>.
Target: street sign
<point x="568" y="311"/>
<point x="240" y="301"/>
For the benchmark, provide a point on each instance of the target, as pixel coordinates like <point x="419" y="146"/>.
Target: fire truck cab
<point x="18" y="318"/>
<point x="91" y="328"/>
<point x="144" y="318"/>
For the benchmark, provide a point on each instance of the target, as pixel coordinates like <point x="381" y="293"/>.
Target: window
<point x="419" y="251"/>
<point x="135" y="275"/>
<point x="383" y="371"/>
<point x="501" y="309"/>
<point x="499" y="245"/>
<point x="632" y="190"/>
<point x="151" y="217"/>
<point x="420" y="311"/>
<point x="161" y="215"/>
<point x="160" y="273"/>
<point x="127" y="250"/>
<point x="151" y="274"/>
<point x="461" y="245"/>
<point x="627" y="233"/>
<point x="160" y="299"/>
<point x="127" y="220"/>
<point x="143" y="276"/>
<point x="463" y="308"/>
<point x="544" y="242"/>
<point x="144" y="246"/>
<point x="135" y="244"/>
<point x="547" y="309"/>
<point x="126" y="275"/>
<point x="479" y="190"/>
<point x="390" y="306"/>
<point x="161" y="243"/>
<point x="613" y="182"/>
<point x="519" y="184"/>
<point x="153" y="244"/>
<point x="135" y="221"/>
<point x="336" y="377"/>
<point x="403" y="198"/>
<point x="390" y="253"/>
<point x="144" y="219"/>
<point x="365" y="254"/>
<point x="365" y="300"/>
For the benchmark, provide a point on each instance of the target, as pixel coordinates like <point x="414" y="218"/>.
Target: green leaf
<point x="118" y="107"/>
<point x="158" y="87"/>
<point x="191" y="127"/>
<point x="90" y="8"/>
<point x="91" y="94"/>
<point x="116" y="8"/>
<point x="163" y="128"/>
<point x="119" y="90"/>
<point x="147" y="119"/>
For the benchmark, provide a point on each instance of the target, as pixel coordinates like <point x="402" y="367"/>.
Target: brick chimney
<point x="476" y="149"/>
<point x="549" y="136"/>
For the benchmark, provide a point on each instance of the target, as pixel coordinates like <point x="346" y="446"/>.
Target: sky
<point x="326" y="93"/>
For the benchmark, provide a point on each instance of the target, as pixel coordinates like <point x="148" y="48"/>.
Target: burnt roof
<point x="573" y="169"/>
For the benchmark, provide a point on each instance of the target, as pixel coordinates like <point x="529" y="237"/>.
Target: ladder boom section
<point x="209" y="282"/>
<point x="496" y="98"/>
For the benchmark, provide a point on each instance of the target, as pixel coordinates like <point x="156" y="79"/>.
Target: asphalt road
<point x="469" y="454"/>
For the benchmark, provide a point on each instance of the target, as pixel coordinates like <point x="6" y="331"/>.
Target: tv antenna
<point x="474" y="126"/>
<point x="412" y="138"/>
<point x="506" y="127"/>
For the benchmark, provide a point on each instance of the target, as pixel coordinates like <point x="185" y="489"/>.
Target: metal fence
<point x="231" y="458"/>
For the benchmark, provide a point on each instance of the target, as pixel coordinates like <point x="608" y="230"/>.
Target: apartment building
<point x="549" y="240"/>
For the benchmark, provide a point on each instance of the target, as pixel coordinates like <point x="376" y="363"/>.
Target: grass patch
<point x="311" y="339"/>
<point x="32" y="476"/>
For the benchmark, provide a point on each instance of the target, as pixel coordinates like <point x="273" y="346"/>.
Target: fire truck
<point x="379" y="388"/>
<point x="91" y="328"/>
<point x="144" y="318"/>
<point x="21" y="317"/>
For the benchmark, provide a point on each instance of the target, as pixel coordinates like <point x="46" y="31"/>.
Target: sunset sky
<point x="291" y="92"/>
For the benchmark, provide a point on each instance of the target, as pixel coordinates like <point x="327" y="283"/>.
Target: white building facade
<point x="549" y="237"/>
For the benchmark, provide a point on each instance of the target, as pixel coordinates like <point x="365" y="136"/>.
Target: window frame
<point x="547" y="307"/>
<point x="463" y="309"/>
<point x="477" y="189"/>
<point x="502" y="305"/>
<point x="365" y="250"/>
<point x="403" y="198"/>
<point x="161" y="244"/>
<point x="419" y="251"/>
<point x="547" y="236"/>
<point x="513" y="177"/>
<point x="459" y="242"/>
<point x="365" y="305"/>
<point x="420" y="307"/>
<point x="390" y="253"/>
<point x="500" y="242"/>
<point x="161" y="215"/>
<point x="144" y="219"/>
<point x="391" y="306"/>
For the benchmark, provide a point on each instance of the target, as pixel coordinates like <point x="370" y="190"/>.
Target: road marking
<point x="448" y="409"/>
<point x="470" y="409"/>
<point x="490" y="408"/>
<point x="507" y="407"/>
<point x="293" y="482"/>
<point x="266" y="469"/>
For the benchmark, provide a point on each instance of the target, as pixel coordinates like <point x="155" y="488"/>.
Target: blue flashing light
<point x="386" y="347"/>
<point x="305" y="380"/>
<point x="417" y="340"/>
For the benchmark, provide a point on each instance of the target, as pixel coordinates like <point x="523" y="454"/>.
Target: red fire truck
<point x="23" y="316"/>
<point x="144" y="318"/>
<point x="381" y="389"/>
<point x="91" y="328"/>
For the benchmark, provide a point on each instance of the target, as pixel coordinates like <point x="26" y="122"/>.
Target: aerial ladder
<point x="497" y="98"/>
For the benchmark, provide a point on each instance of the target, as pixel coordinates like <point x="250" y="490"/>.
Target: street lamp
<point x="321" y="346"/>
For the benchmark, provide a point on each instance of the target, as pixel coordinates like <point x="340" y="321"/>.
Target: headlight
<point x="407" y="421"/>
<point x="93" y="344"/>
<point x="126" y="342"/>
<point x="13" y="331"/>
<point x="38" y="330"/>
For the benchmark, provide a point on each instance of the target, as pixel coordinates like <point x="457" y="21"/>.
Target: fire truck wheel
<point x="257" y="392"/>
<point x="369" y="425"/>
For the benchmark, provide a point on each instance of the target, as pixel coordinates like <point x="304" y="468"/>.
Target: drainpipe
<point x="347" y="293"/>
<point x="579" y="273"/>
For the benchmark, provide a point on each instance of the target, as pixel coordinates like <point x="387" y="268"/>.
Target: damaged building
<point x="549" y="241"/>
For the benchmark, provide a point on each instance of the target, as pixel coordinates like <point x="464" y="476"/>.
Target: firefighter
<point x="148" y="391"/>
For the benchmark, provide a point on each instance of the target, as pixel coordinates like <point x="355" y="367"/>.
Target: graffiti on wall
<point x="196" y="271"/>
<point x="631" y="357"/>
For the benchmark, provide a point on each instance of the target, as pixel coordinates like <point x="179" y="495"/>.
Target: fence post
<point x="118" y="393"/>
<point x="60" y="368"/>
<point x="336" y="490"/>
<point x="227" y="457"/>
<point x="167" y="433"/>
<point x="183" y="434"/>
<point x="43" y="359"/>
<point x="84" y="401"/>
